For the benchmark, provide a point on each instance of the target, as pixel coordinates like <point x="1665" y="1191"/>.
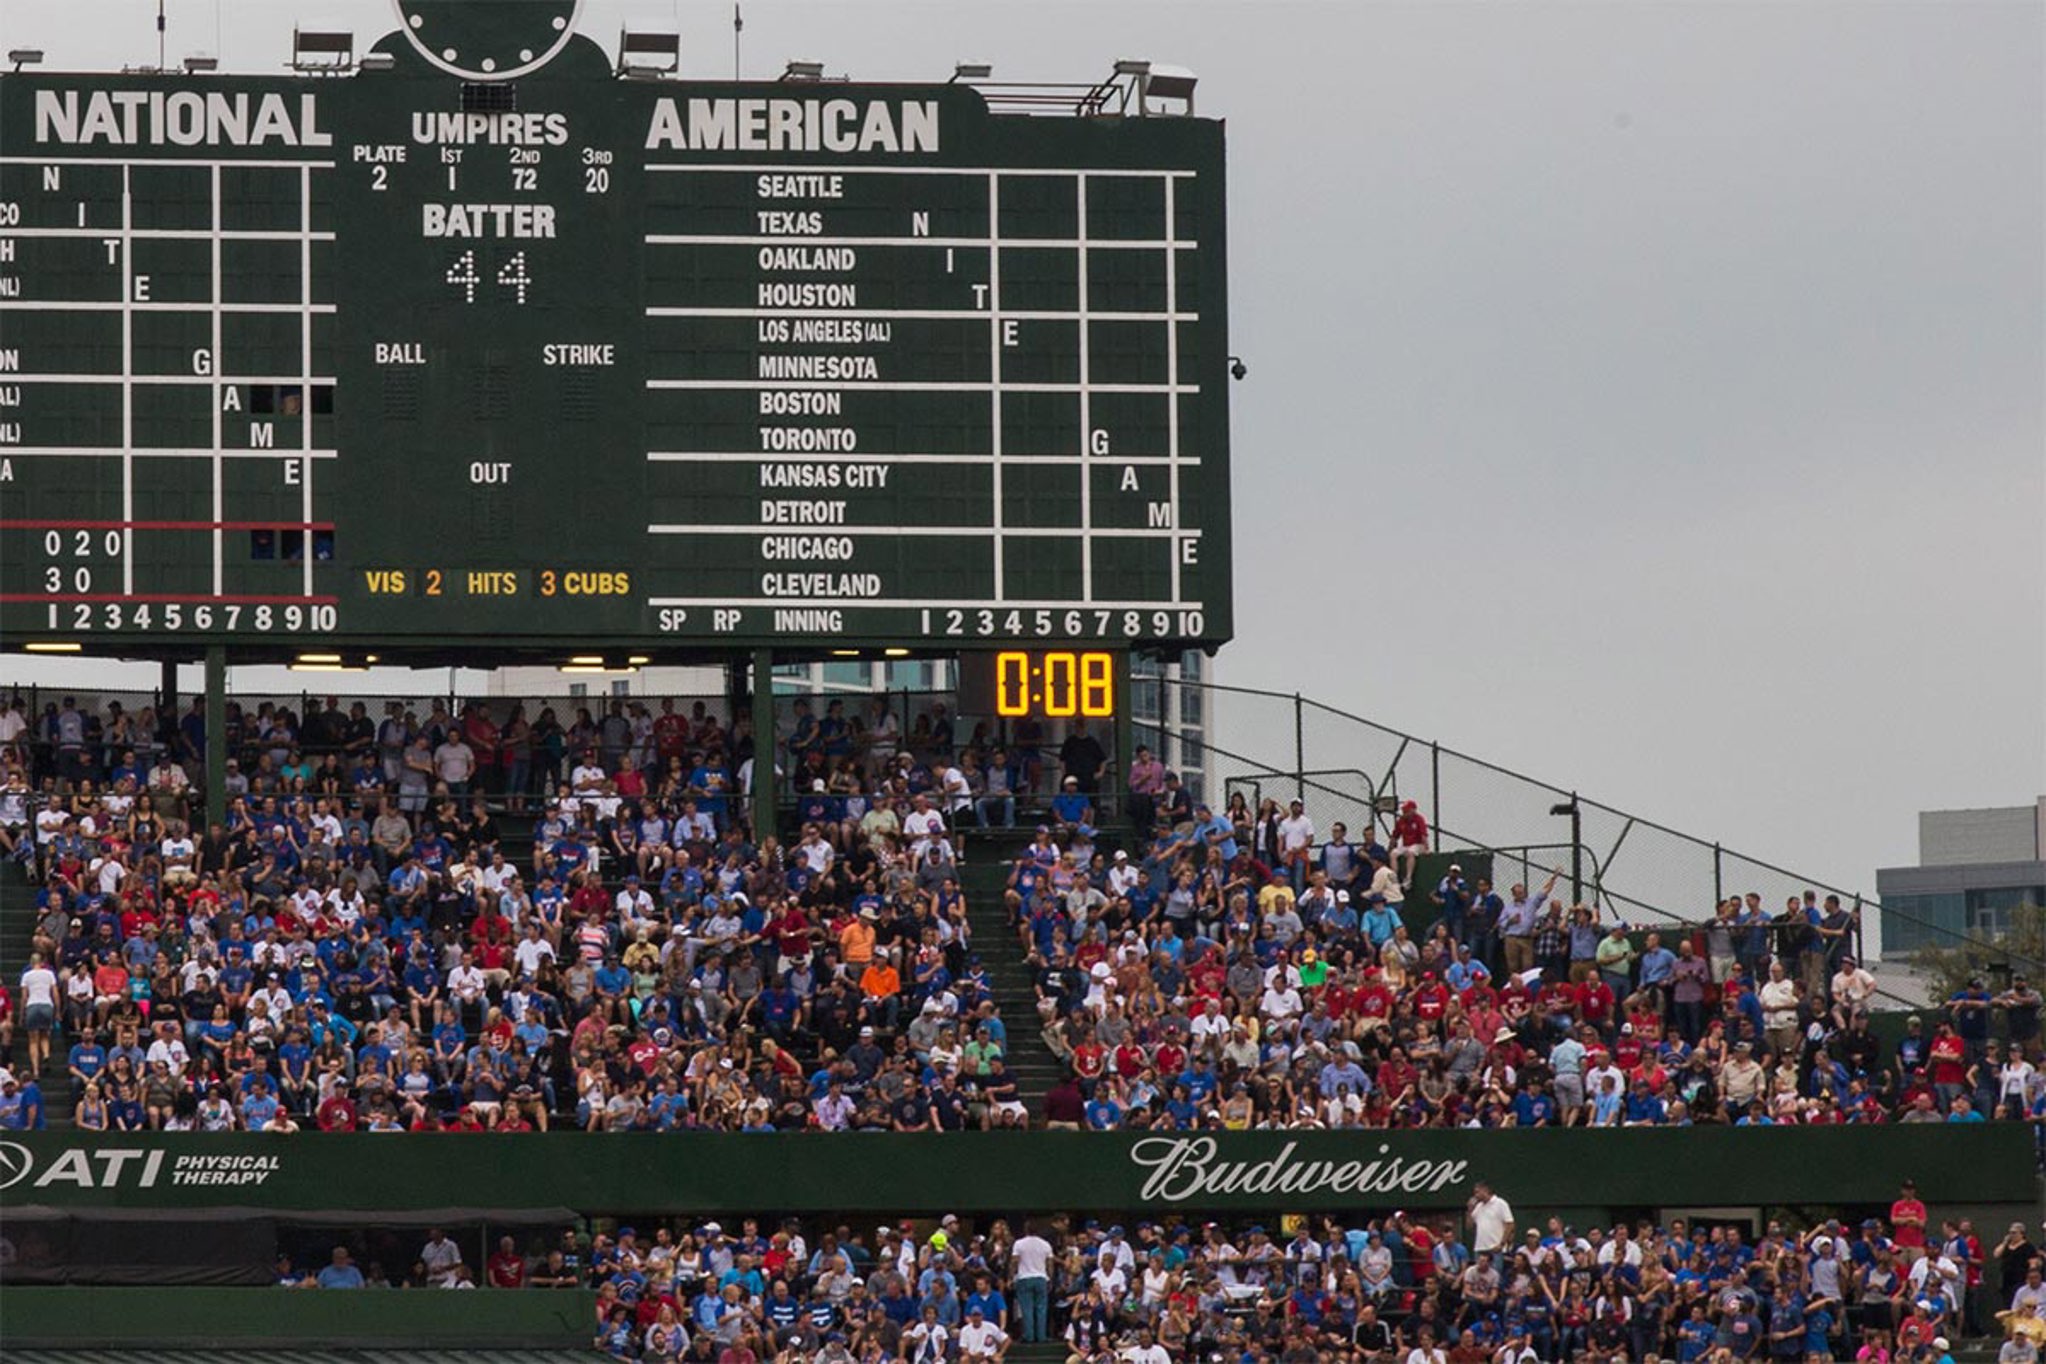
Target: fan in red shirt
<point x="1375" y="999"/>
<point x="1431" y="1001"/>
<point x="588" y="897"/>
<point x="506" y="1268"/>
<point x="671" y="733"/>
<point x="1396" y="1075"/>
<point x="1595" y="1002"/>
<point x="1130" y="1059"/>
<point x="1949" y="1064"/>
<point x="1409" y="839"/>
<point x="1907" y="1218"/>
<point x="336" y="1113"/>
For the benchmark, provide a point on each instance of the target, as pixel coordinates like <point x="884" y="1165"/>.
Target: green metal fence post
<point x="764" y="793"/>
<point x="1299" y="750"/>
<point x="1435" y="794"/>
<point x="216" y="734"/>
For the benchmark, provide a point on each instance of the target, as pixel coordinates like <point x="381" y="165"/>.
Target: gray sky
<point x="1645" y="396"/>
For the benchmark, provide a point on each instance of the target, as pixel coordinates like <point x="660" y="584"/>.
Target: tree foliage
<point x="2020" y="950"/>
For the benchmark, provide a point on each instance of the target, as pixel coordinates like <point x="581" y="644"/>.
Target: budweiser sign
<point x="1183" y="1168"/>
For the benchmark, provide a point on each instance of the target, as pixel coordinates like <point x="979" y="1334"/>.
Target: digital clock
<point x="1043" y="683"/>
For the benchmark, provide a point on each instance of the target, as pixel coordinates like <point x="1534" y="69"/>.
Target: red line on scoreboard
<point x="222" y="599"/>
<point x="165" y="525"/>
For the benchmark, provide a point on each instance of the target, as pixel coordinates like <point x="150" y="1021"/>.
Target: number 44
<point x="511" y="275"/>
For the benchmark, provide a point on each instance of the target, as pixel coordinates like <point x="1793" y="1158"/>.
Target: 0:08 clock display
<point x="1057" y="683"/>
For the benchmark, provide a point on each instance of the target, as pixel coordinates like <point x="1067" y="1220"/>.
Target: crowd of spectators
<point x="1380" y="1288"/>
<point x="1239" y="969"/>
<point x="357" y="947"/>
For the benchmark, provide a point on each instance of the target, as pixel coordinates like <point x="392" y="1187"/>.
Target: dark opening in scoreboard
<point x="430" y="355"/>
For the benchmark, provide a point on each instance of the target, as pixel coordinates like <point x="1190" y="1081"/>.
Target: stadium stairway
<point x="17" y="926"/>
<point x="989" y="855"/>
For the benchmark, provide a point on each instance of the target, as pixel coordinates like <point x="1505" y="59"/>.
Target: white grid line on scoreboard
<point x="154" y="306"/>
<point x="994" y="386"/>
<point x="253" y="163"/>
<point x="1038" y="532"/>
<point x="155" y="452"/>
<point x="917" y="386"/>
<point x="177" y="234"/>
<point x="1086" y="406"/>
<point x="1048" y="243"/>
<point x="916" y="603"/>
<point x="994" y="350"/>
<point x="219" y="466"/>
<point x="305" y="369"/>
<point x="127" y="389"/>
<point x="199" y="379"/>
<point x="840" y="168"/>
<point x="128" y="306"/>
<point x="863" y="457"/>
<point x="924" y="314"/>
<point x="1172" y="370"/>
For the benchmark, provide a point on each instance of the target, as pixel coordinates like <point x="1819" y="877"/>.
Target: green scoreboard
<point x="488" y="345"/>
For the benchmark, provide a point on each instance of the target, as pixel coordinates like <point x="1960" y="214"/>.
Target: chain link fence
<point x="1350" y="769"/>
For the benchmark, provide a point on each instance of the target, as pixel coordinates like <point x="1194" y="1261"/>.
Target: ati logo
<point x="74" y="1166"/>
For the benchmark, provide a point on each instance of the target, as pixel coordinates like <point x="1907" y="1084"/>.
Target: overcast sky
<point x="1648" y="397"/>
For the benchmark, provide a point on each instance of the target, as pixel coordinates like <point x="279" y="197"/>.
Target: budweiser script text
<point x="1185" y="1167"/>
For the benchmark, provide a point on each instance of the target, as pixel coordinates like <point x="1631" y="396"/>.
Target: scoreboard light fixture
<point x="377" y="61"/>
<point x="199" y="64"/>
<point x="896" y="653"/>
<point x="54" y="646"/>
<point x="331" y="663"/>
<point x="599" y="663"/>
<point x="649" y="54"/>
<point x="1156" y="80"/>
<point x="322" y="52"/>
<point x="25" y="56"/>
<point x="803" y="71"/>
<point x="972" y="71"/>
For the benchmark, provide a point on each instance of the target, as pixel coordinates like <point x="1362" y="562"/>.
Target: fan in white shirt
<point x="467" y="982"/>
<point x="980" y="1338"/>
<point x="922" y="826"/>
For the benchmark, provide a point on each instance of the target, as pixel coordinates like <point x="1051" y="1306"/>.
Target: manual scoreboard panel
<point x="427" y="355"/>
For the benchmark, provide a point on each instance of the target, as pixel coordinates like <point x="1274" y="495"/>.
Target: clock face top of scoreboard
<point x="494" y="349"/>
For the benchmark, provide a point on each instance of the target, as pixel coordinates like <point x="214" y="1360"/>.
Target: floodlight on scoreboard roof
<point x="649" y="54"/>
<point x="199" y="63"/>
<point x="801" y="70"/>
<point x="972" y="71"/>
<point x="25" y="56"/>
<point x="322" y="51"/>
<point x="1158" y="80"/>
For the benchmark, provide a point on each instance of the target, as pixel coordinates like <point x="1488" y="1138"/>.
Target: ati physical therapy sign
<point x="117" y="1167"/>
<point x="914" y="1173"/>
